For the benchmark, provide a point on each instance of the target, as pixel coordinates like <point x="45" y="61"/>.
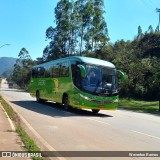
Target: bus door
<point x="76" y="80"/>
<point x="48" y="83"/>
<point x="55" y="89"/>
<point x="55" y="82"/>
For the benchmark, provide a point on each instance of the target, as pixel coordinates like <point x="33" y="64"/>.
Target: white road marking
<point x="146" y="134"/>
<point x="98" y="121"/>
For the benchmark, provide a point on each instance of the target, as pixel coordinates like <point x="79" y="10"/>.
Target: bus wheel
<point x="95" y="111"/>
<point x="38" y="97"/>
<point x="65" y="102"/>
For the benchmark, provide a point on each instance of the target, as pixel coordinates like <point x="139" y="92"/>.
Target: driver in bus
<point x="91" y="80"/>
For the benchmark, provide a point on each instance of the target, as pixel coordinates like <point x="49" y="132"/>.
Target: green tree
<point x="80" y="27"/>
<point x="94" y="31"/>
<point x="140" y="33"/>
<point x="22" y="69"/>
<point x="150" y="29"/>
<point x="140" y="60"/>
<point x="100" y="30"/>
<point x="86" y="13"/>
<point x="149" y="45"/>
<point x="60" y="35"/>
<point x="149" y="49"/>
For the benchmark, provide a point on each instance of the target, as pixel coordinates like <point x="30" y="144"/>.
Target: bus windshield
<point x="100" y="80"/>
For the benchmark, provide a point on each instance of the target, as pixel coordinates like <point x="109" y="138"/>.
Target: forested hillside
<point x="6" y="63"/>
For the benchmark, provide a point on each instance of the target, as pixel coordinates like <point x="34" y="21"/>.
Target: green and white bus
<point x="80" y="82"/>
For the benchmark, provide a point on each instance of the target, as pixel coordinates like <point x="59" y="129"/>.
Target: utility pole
<point x="158" y="30"/>
<point x="158" y="27"/>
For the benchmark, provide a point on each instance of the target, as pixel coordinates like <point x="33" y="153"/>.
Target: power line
<point x="4" y="45"/>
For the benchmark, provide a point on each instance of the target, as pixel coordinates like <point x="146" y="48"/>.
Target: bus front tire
<point x="65" y="102"/>
<point x="95" y="111"/>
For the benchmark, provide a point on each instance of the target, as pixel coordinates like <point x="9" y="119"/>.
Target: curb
<point x="13" y="129"/>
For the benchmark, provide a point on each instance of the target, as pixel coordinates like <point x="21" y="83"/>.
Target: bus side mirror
<point x="121" y="76"/>
<point x="83" y="70"/>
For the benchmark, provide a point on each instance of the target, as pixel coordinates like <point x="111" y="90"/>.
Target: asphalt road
<point x="81" y="130"/>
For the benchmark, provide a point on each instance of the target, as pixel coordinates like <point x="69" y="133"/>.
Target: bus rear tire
<point x="95" y="111"/>
<point x="38" y="97"/>
<point x="65" y="102"/>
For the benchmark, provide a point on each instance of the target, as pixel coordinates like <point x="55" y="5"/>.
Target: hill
<point x="6" y="63"/>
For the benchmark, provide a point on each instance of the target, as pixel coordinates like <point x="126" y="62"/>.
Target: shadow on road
<point x="56" y="110"/>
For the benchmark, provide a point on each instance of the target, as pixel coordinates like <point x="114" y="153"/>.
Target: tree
<point x="80" y="27"/>
<point x="149" y="45"/>
<point x="140" y="60"/>
<point x="22" y="69"/>
<point x="94" y="30"/>
<point x="150" y="29"/>
<point x="100" y="30"/>
<point x="140" y="33"/>
<point x="60" y="35"/>
<point x="157" y="29"/>
<point x="24" y="58"/>
<point x="86" y="13"/>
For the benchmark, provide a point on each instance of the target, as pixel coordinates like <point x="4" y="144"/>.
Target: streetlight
<point x="4" y="45"/>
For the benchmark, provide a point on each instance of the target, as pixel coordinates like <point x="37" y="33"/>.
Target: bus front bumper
<point x="96" y="102"/>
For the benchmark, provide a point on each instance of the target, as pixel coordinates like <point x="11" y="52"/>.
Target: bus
<point x="79" y="82"/>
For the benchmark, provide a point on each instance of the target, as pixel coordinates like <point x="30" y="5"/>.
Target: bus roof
<point x="82" y="59"/>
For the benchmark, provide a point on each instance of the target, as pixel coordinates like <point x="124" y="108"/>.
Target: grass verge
<point x="140" y="106"/>
<point x="28" y="142"/>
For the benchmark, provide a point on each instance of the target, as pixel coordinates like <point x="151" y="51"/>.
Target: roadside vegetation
<point x="140" y="106"/>
<point x="81" y="29"/>
<point x="28" y="142"/>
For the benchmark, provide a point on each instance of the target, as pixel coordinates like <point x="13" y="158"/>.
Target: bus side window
<point x="64" y="70"/>
<point x="76" y="74"/>
<point x="54" y="71"/>
<point x="41" y="71"/>
<point x="34" y="72"/>
<point x="47" y="72"/>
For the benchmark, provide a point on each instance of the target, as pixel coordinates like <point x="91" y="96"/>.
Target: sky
<point x="23" y="22"/>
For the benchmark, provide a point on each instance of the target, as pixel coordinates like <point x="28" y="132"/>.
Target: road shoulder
<point x="10" y="140"/>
